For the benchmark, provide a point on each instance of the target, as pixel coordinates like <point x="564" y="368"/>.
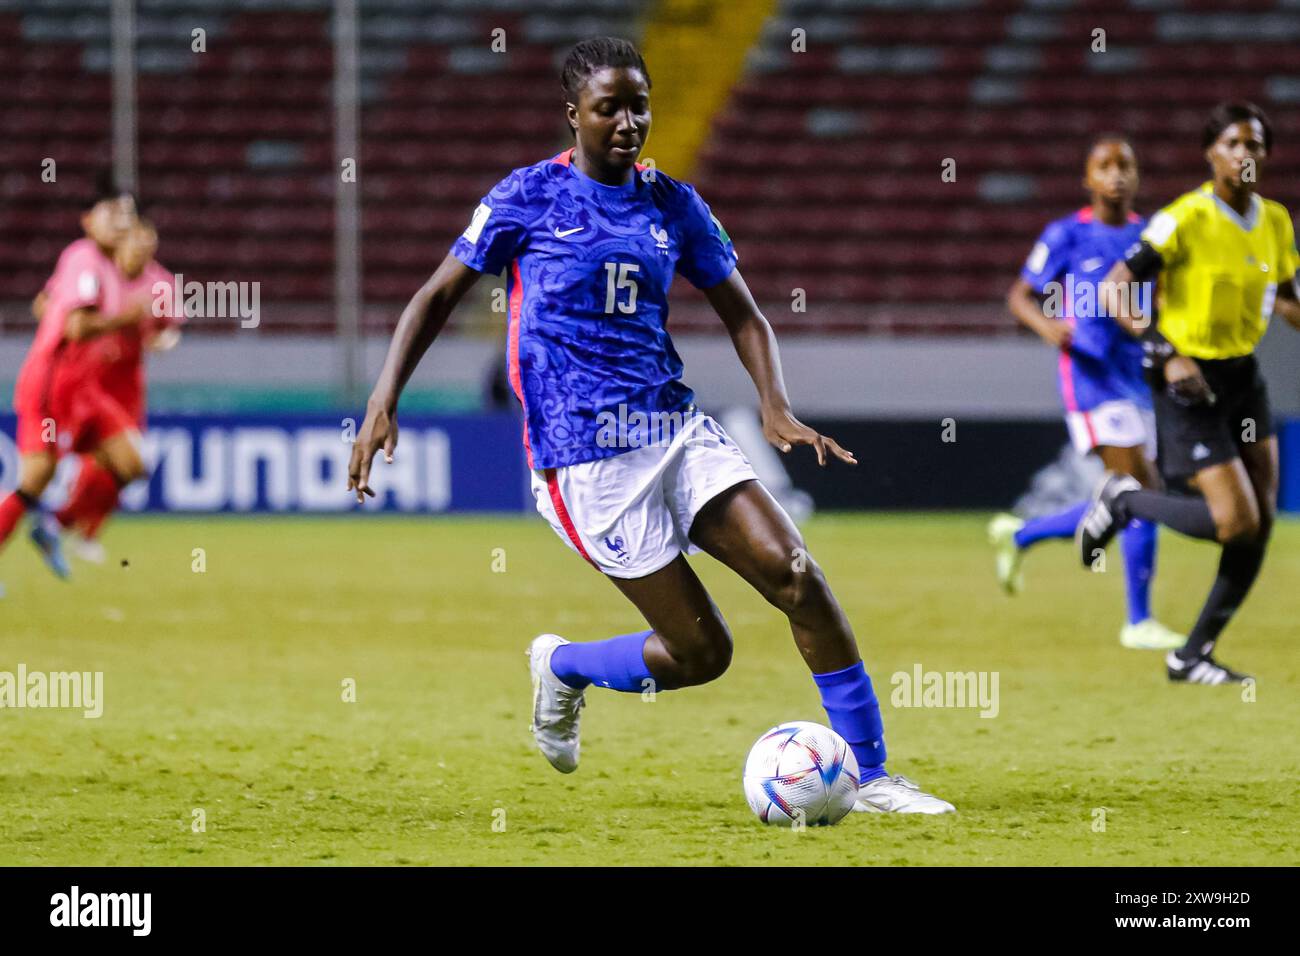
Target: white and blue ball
<point x="801" y="772"/>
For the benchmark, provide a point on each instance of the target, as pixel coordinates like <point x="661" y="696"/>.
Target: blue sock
<point x="617" y="663"/>
<point x="855" y="715"/>
<point x="1060" y="525"/>
<point x="1138" y="542"/>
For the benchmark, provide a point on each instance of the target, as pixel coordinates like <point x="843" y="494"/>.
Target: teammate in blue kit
<point x="1107" y="400"/>
<point x="624" y="467"/>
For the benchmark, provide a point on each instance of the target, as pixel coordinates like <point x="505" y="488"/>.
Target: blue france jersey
<point x="589" y="270"/>
<point x="1068" y="264"/>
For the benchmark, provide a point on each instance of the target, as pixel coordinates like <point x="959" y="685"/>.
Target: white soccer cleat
<point x="556" y="707"/>
<point x="1002" y="535"/>
<point x="897" y="794"/>
<point x="1150" y="635"/>
<point x="87" y="549"/>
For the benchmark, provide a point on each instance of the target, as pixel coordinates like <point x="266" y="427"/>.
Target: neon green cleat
<point x="1150" y="635"/>
<point x="1002" y="535"/>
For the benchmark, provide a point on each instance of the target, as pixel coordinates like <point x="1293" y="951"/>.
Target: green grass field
<point x="224" y="693"/>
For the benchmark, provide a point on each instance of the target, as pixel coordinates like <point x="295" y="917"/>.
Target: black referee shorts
<point x="1189" y="439"/>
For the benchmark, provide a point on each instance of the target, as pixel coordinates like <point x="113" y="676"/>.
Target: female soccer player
<point x="118" y="361"/>
<point x="624" y="467"/>
<point x="58" y="400"/>
<point x="1107" y="401"/>
<point x="1227" y="262"/>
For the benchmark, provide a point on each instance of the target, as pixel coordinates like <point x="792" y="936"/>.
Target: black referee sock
<point x="1184" y="514"/>
<point x="1238" y="567"/>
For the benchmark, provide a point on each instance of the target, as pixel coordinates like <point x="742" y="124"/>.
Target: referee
<point x="1227" y="262"/>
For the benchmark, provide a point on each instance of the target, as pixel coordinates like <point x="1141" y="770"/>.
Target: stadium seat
<point x="826" y="166"/>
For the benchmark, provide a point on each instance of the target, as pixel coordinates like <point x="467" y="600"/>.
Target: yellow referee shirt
<point x="1221" y="271"/>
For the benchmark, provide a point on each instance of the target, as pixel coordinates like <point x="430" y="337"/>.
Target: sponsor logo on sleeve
<point x="477" y="222"/>
<point x="88" y="285"/>
<point x="721" y="230"/>
<point x="1160" y="229"/>
<point x="1038" y="257"/>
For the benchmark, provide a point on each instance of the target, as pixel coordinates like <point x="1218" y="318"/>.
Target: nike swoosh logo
<point x="561" y="233"/>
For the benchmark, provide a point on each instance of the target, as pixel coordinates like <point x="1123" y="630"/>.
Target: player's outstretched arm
<point x="1029" y="312"/>
<point x="755" y="343"/>
<point x="421" y="321"/>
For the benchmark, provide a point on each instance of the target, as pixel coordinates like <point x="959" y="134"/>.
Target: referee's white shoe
<point x="1201" y="670"/>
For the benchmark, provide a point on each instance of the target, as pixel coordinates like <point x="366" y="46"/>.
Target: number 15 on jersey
<point x="619" y="277"/>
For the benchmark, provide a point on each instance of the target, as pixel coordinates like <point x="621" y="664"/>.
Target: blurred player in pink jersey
<point x="120" y="367"/>
<point x="59" y="403"/>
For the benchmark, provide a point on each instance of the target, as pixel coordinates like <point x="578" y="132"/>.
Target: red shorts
<point x="37" y="428"/>
<point x="84" y="415"/>
<point x="33" y="430"/>
<point x="127" y="391"/>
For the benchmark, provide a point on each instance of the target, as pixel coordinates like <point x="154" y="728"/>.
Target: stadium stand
<point x="825" y="165"/>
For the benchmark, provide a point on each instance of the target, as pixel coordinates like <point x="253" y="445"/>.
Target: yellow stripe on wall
<point x="695" y="51"/>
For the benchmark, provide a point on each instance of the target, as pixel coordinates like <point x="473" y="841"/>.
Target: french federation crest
<point x="617" y="548"/>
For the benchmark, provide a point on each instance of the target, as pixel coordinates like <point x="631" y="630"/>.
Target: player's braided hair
<point x="595" y="53"/>
<point x="1226" y="114"/>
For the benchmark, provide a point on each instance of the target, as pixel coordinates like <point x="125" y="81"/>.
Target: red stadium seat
<point x="825" y="166"/>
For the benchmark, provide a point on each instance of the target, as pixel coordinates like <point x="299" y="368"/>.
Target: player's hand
<point x="1185" y="382"/>
<point x="1057" y="334"/>
<point x="379" y="430"/>
<point x="165" y="339"/>
<point x="785" y="431"/>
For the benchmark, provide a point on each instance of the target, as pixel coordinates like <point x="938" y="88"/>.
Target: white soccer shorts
<point x="630" y="515"/>
<point x="1120" y="423"/>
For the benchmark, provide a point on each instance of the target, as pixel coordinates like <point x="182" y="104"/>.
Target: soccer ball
<point x="801" y="772"/>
